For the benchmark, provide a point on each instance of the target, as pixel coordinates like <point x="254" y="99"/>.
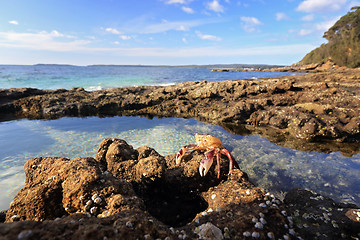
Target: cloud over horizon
<point x="166" y="28"/>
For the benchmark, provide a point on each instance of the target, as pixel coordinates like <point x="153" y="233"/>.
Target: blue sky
<point x="172" y="32"/>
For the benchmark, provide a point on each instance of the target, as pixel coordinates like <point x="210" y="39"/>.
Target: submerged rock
<point x="317" y="217"/>
<point x="127" y="193"/>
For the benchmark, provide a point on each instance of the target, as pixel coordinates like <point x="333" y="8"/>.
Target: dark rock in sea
<point x="127" y="193"/>
<point x="311" y="108"/>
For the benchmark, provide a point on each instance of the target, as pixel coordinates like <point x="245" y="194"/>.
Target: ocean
<point x="99" y="77"/>
<point x="274" y="168"/>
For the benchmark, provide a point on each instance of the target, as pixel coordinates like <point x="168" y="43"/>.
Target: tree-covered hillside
<point x="343" y="45"/>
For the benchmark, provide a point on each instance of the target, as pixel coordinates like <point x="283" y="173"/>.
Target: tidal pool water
<point x="274" y="168"/>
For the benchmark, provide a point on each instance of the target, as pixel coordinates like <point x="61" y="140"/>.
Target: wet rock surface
<point x="127" y="193"/>
<point x="318" y="217"/>
<point x="309" y="108"/>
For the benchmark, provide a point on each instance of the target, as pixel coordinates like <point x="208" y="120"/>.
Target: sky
<point x="164" y="32"/>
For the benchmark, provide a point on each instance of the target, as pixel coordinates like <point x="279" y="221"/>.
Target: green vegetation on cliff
<point x="343" y="45"/>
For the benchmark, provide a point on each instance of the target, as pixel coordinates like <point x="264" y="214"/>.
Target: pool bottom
<point x="274" y="168"/>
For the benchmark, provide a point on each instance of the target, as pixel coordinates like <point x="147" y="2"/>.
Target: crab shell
<point x="213" y="147"/>
<point x="207" y="141"/>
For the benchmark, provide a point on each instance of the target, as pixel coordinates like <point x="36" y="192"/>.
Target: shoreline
<point x="284" y="110"/>
<point x="315" y="107"/>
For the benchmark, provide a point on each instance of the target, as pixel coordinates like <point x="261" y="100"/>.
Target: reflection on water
<point x="268" y="165"/>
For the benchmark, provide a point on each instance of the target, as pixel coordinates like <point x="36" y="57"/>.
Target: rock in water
<point x="128" y="193"/>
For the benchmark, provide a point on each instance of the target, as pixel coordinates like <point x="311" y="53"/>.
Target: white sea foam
<point x="154" y="84"/>
<point x="166" y="84"/>
<point x="94" y="88"/>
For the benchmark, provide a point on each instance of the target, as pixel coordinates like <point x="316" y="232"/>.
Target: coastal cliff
<point x="343" y="47"/>
<point x="127" y="193"/>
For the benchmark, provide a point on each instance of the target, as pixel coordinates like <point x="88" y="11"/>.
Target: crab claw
<point x="181" y="152"/>
<point x="179" y="156"/>
<point x="206" y="163"/>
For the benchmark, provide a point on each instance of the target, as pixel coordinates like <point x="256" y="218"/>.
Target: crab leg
<point x="206" y="163"/>
<point x="228" y="154"/>
<point x="182" y="151"/>
<point x="218" y="156"/>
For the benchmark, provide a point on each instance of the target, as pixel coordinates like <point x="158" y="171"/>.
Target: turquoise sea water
<point x="275" y="168"/>
<point x="100" y="77"/>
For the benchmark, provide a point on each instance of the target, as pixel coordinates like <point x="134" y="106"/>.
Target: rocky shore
<point x="327" y="65"/>
<point x="294" y="111"/>
<point x="127" y="193"/>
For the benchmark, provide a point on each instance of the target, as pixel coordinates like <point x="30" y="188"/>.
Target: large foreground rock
<point x="311" y="108"/>
<point x="127" y="193"/>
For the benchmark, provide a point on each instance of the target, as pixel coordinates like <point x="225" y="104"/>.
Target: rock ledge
<point x="309" y="108"/>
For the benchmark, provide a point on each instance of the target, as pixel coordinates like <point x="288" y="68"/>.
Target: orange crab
<point x="213" y="146"/>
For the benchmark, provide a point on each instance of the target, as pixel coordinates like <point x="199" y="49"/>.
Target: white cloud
<point x="55" y="33"/>
<point x="291" y="30"/>
<point x="324" y="26"/>
<point x="46" y="42"/>
<point x="353" y="4"/>
<point x="207" y="37"/>
<point x="184" y="40"/>
<point x="214" y="51"/>
<point x="125" y="37"/>
<point x="188" y="10"/>
<point x="308" y="18"/>
<point x="53" y="41"/>
<point x="316" y="28"/>
<point x="167" y="26"/>
<point x="281" y="16"/>
<point x="321" y="5"/>
<point x="182" y="28"/>
<point x="304" y="32"/>
<point x="215" y="6"/>
<point x="113" y="30"/>
<point x="117" y="32"/>
<point x="249" y="24"/>
<point x="14" y="22"/>
<point x="146" y="25"/>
